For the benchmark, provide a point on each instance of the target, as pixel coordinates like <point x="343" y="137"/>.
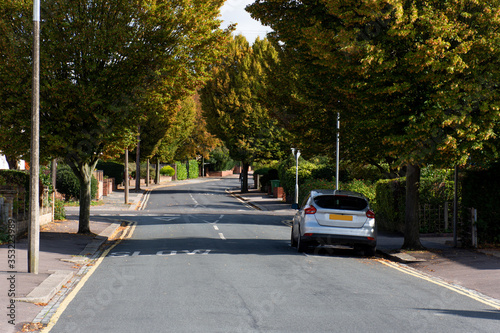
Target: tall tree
<point x="200" y="142"/>
<point x="233" y="107"/>
<point x="99" y="61"/>
<point x="418" y="79"/>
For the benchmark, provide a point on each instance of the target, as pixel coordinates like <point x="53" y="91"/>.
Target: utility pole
<point x="125" y="176"/>
<point x="34" y="230"/>
<point x="338" y="153"/>
<point x="138" y="163"/>
<point x="296" y="155"/>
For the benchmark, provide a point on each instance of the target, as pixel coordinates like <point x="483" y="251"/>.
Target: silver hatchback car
<point x="330" y="217"/>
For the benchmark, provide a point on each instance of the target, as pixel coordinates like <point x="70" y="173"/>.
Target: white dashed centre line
<point x="221" y="235"/>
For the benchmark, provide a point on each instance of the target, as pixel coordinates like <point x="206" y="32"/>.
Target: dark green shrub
<point x="220" y="160"/>
<point x="390" y="204"/>
<point x="313" y="184"/>
<point x="68" y="184"/>
<point x="323" y="172"/>
<point x="15" y="178"/>
<point x="112" y="170"/>
<point x="480" y="191"/>
<point x="272" y="174"/>
<point x="167" y="171"/>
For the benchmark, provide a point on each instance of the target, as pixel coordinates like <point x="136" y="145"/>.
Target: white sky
<point x="233" y="11"/>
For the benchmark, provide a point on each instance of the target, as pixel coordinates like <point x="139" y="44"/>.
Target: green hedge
<point x="308" y="171"/>
<point x="181" y="170"/>
<point x="68" y="184"/>
<point x="313" y="184"/>
<point x="390" y="198"/>
<point x="15" y="178"/>
<point x="220" y="160"/>
<point x="112" y="170"/>
<point x="390" y="204"/>
<point x="480" y="191"/>
<point x="193" y="169"/>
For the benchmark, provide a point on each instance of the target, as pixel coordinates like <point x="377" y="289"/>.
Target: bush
<point x="306" y="171"/>
<point x="15" y="178"/>
<point x="270" y="174"/>
<point x="59" y="210"/>
<point x="390" y="199"/>
<point x="364" y="187"/>
<point x="313" y="184"/>
<point x="193" y="169"/>
<point x="220" y="160"/>
<point x="68" y="184"/>
<point x="390" y="204"/>
<point x="112" y="170"/>
<point x="167" y="171"/>
<point x="181" y="170"/>
<point x="480" y="191"/>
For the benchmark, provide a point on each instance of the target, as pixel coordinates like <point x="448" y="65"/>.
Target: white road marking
<point x="221" y="235"/>
<point x="216" y="227"/>
<point x="161" y="253"/>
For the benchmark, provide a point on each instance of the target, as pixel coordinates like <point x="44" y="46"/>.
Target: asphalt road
<point x="201" y="261"/>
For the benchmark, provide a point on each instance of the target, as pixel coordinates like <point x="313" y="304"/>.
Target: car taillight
<point x="370" y="214"/>
<point x="310" y="210"/>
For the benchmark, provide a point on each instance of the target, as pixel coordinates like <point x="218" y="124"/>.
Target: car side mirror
<point x="295" y="206"/>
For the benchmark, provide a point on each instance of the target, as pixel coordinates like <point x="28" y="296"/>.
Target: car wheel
<point x="293" y="241"/>
<point x="370" y="251"/>
<point x="301" y="246"/>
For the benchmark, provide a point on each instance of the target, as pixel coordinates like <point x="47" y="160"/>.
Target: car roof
<point x="316" y="193"/>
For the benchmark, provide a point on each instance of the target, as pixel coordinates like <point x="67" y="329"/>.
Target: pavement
<point x="66" y="257"/>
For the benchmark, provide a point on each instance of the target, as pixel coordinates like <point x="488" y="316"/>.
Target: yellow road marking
<point x="482" y="299"/>
<point x="64" y="304"/>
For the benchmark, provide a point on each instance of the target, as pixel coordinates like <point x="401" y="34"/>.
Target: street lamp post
<point x="34" y="230"/>
<point x="296" y="155"/>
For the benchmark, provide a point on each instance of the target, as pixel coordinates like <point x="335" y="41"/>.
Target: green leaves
<point x="234" y="102"/>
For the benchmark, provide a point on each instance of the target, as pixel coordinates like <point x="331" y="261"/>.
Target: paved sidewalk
<point x="64" y="256"/>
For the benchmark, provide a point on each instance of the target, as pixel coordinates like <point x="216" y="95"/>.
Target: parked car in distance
<point x="331" y="217"/>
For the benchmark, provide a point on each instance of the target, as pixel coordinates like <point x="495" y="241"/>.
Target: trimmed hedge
<point x="193" y="169"/>
<point x="390" y="204"/>
<point x="112" y="170"/>
<point x="15" y="178"/>
<point x="181" y="170"/>
<point x="480" y="191"/>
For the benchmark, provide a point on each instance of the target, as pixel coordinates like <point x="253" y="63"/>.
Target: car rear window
<point x="340" y="202"/>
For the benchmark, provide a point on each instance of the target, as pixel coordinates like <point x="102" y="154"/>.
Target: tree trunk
<point x="147" y="173"/>
<point x="54" y="173"/>
<point x="244" y="171"/>
<point x="157" y="173"/>
<point x="84" y="174"/>
<point x="12" y="161"/>
<point x="412" y="233"/>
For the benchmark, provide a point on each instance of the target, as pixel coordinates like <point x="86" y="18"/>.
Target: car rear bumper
<point x="327" y="239"/>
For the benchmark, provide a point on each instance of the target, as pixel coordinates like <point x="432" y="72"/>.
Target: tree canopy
<point x="99" y="61"/>
<point x="233" y="103"/>
<point x="416" y="81"/>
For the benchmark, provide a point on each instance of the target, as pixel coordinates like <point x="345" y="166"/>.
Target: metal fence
<point x="436" y="219"/>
